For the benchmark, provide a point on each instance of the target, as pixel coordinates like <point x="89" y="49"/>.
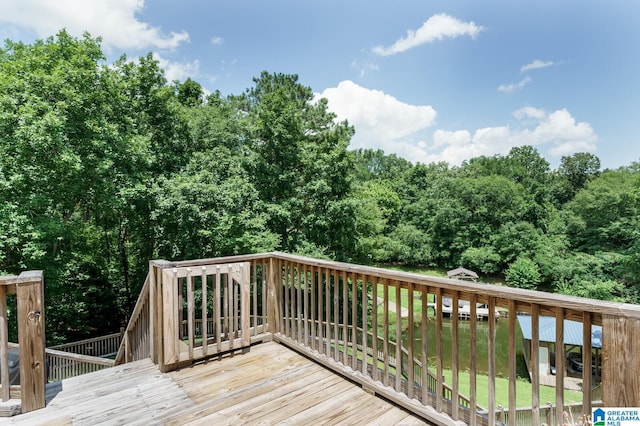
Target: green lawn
<point x="523" y="391"/>
<point x="523" y="387"/>
<point x="404" y="298"/>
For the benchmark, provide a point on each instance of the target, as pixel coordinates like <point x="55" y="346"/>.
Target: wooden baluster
<point x="190" y="312"/>
<point x="410" y="359"/>
<point x="512" y="361"/>
<point x="365" y="336"/>
<point x="374" y="329"/>
<point x="587" y="368"/>
<point x="4" y="345"/>
<point x="439" y="355"/>
<point x="385" y="342"/>
<point x="236" y="294"/>
<point x="245" y="290"/>
<point x="203" y="312"/>
<point x="424" y="349"/>
<point x="218" y="297"/>
<point x="345" y="318"/>
<point x="336" y="315"/>
<point x="287" y="310"/>
<point x="307" y="294"/>
<point x="472" y="359"/>
<point x="398" y="383"/>
<point x="299" y="301"/>
<point x="455" y="312"/>
<point x="535" y="363"/>
<point x="321" y="304"/>
<point x="354" y="321"/>
<point x="560" y="365"/>
<point x="492" y="360"/>
<point x="327" y="307"/>
<point x="314" y="309"/>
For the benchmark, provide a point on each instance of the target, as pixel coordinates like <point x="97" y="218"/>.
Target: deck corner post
<point x="156" y="310"/>
<point x="32" y="340"/>
<point x="620" y="350"/>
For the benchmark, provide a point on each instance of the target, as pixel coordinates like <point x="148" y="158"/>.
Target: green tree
<point x="301" y="166"/>
<point x="190" y="93"/>
<point x="210" y="211"/>
<point x="484" y="259"/>
<point x="523" y="273"/>
<point x="574" y="173"/>
<point x="62" y="158"/>
<point x="604" y="215"/>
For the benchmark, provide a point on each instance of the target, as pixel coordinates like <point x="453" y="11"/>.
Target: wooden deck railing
<point x="29" y="290"/>
<point x="102" y="347"/>
<point x="350" y="318"/>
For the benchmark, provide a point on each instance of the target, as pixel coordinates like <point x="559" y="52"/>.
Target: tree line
<point x="106" y="166"/>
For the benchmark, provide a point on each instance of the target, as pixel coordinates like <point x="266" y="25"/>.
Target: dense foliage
<point x="104" y="167"/>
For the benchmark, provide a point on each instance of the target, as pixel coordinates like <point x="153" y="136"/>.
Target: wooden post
<point x="170" y="320"/>
<point x="4" y="345"/>
<point x="620" y="361"/>
<point x="156" y="311"/>
<point x="32" y="340"/>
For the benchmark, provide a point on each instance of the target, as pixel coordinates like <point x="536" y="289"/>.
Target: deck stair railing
<point x="102" y="347"/>
<point x="331" y="311"/>
<point x="136" y="339"/>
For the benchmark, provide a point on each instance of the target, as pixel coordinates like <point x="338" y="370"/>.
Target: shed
<point x="462" y="274"/>
<point x="573" y="343"/>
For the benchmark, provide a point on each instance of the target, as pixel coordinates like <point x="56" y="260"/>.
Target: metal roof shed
<point x="572" y="331"/>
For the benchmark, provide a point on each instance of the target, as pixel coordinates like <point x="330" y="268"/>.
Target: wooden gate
<point x="205" y="310"/>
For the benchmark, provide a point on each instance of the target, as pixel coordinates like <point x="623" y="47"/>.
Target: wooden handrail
<point x="550" y="301"/>
<point x="102" y="346"/>
<point x="136" y="339"/>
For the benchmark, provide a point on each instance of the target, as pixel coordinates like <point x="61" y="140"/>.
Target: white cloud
<point x="364" y="68"/>
<point x="537" y="64"/>
<point x="530" y="112"/>
<point x="177" y="70"/>
<point x="217" y="40"/>
<point x="510" y="88"/>
<point x="435" y="28"/>
<point x="114" y="20"/>
<point x="555" y="134"/>
<point x="381" y="120"/>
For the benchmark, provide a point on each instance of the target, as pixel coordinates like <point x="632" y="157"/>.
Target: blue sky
<point x="426" y="80"/>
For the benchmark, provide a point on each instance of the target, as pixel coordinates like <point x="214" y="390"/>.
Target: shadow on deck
<point x="269" y="384"/>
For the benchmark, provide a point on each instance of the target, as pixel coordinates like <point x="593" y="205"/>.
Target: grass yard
<point x="523" y="390"/>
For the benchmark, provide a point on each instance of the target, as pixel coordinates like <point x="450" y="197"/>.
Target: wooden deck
<point x="270" y="384"/>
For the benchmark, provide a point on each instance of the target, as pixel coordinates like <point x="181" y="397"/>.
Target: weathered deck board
<point x="128" y="394"/>
<point x="282" y="387"/>
<point x="270" y="384"/>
